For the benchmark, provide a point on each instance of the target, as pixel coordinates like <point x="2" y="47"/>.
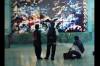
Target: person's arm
<point x="71" y="48"/>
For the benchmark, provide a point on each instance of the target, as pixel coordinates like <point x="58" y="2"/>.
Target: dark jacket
<point x="51" y="35"/>
<point x="79" y="44"/>
<point x="37" y="37"/>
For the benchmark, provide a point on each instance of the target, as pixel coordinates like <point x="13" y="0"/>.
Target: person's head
<point x="37" y="26"/>
<point x="76" y="37"/>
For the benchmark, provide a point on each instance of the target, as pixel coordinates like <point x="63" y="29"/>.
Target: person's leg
<point x="37" y="49"/>
<point x="36" y="52"/>
<point x="75" y="54"/>
<point x="68" y="55"/>
<point x="48" y="51"/>
<point x="39" y="52"/>
<point x="53" y="51"/>
<point x="65" y="56"/>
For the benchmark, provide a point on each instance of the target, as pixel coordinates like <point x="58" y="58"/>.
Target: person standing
<point x="37" y="42"/>
<point x="51" y="41"/>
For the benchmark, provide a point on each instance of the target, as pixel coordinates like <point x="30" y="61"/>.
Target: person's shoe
<point x="52" y="58"/>
<point x="46" y="58"/>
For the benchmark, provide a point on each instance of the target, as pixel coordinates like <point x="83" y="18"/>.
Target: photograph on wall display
<point x="68" y="15"/>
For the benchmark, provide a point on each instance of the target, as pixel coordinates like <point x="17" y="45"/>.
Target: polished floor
<point x="23" y="55"/>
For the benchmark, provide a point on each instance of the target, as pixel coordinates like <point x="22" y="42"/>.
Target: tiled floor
<point x="23" y="55"/>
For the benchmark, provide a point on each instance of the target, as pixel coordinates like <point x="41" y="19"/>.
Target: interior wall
<point x="90" y="23"/>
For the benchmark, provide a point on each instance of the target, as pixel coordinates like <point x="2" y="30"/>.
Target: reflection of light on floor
<point x="43" y="55"/>
<point x="25" y="60"/>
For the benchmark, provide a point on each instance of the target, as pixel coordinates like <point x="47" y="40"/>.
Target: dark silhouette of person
<point x="10" y="39"/>
<point x="78" y="50"/>
<point x="51" y="41"/>
<point x="37" y="41"/>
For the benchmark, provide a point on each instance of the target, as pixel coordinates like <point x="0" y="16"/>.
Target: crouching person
<point x="76" y="51"/>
